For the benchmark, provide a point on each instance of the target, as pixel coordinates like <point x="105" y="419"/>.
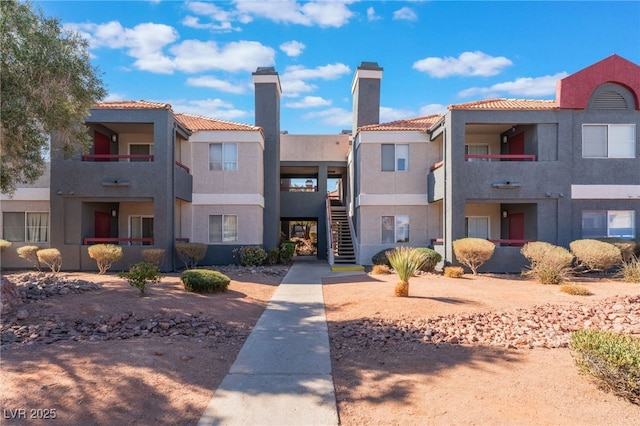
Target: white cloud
<point x="406" y="14"/>
<point x="321" y="13"/>
<point x="392" y="114"/>
<point x="197" y="56"/>
<point x="467" y="64"/>
<point x="113" y="97"/>
<point x="431" y="109"/>
<point x="309" y="102"/>
<point x="217" y="84"/>
<point x="294" y="79"/>
<point x="194" y="22"/>
<point x="292" y="48"/>
<point x="524" y="86"/>
<point x="213" y="108"/>
<point x="332" y="117"/>
<point x="371" y="15"/>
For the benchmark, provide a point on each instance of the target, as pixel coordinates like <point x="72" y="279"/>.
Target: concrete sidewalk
<point x="282" y="375"/>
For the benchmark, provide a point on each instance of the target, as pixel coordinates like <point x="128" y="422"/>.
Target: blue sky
<point x="199" y="55"/>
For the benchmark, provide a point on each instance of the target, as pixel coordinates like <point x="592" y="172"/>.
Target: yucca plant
<point x="405" y="261"/>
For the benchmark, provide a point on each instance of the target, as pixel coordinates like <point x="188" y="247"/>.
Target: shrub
<point x="453" y="272"/>
<point x="204" y="281"/>
<point x="380" y="258"/>
<point x="405" y="261"/>
<point x="273" y="256"/>
<point x="30" y="253"/>
<point x="249" y="255"/>
<point x="575" y="290"/>
<point x="105" y="255"/>
<point x="191" y="253"/>
<point x="630" y="270"/>
<point x="4" y="244"/>
<point x="380" y="270"/>
<point x="154" y="257"/>
<point x="50" y="257"/>
<point x="287" y="250"/>
<point x="431" y="257"/>
<point x="549" y="264"/>
<point x="140" y="275"/>
<point x="594" y="255"/>
<point x="612" y="359"/>
<point x="473" y="252"/>
<point x="627" y="247"/>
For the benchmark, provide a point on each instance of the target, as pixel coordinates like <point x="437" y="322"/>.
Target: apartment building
<point x="510" y="171"/>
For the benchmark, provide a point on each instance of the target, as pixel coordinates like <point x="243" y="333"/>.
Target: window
<point x="140" y="149"/>
<point x="477" y="227"/>
<point x="608" y="140"/>
<point x="141" y="227"/>
<point x="395" y="158"/>
<point x="395" y="229"/>
<point x="223" y="156"/>
<point x="608" y="223"/>
<point x="476" y="150"/>
<point x="223" y="228"/>
<point x="28" y="227"/>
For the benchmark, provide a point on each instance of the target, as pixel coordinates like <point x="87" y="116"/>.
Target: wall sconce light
<point x="505" y="139"/>
<point x="114" y="213"/>
<point x="505" y="214"/>
<point x="60" y="192"/>
<point x="72" y="193"/>
<point x="114" y="138"/>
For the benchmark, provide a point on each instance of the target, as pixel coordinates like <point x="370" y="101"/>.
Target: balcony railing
<point x="500" y="242"/>
<point x="89" y="241"/>
<point x="182" y="166"/>
<point x="500" y="157"/>
<point x="108" y="157"/>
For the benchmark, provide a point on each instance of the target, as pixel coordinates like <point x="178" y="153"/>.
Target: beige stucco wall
<point x="492" y="211"/>
<point x="249" y="222"/>
<point x="126" y="210"/>
<point x="314" y="147"/>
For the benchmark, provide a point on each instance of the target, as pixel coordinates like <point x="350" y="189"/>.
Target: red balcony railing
<point x="502" y="242"/>
<point x="182" y="166"/>
<point x="89" y="241"/>
<point x="501" y="157"/>
<point x="107" y="157"/>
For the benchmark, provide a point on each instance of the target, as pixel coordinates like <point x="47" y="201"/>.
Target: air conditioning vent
<point x="609" y="100"/>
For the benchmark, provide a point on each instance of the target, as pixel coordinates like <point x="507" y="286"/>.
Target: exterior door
<point x="102" y="224"/>
<point x="516" y="145"/>
<point x="101" y="145"/>
<point x="516" y="228"/>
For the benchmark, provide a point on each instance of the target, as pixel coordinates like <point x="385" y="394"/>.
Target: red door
<point x="101" y="145"/>
<point x="516" y="228"/>
<point x="516" y="145"/>
<point x="102" y="222"/>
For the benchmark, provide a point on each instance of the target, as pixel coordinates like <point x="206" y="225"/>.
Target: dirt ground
<point x="170" y="380"/>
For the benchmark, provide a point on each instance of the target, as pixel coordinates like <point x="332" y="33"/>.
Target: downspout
<point x="445" y="166"/>
<point x="173" y="196"/>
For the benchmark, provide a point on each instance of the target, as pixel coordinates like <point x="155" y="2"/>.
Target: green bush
<point x="273" y="256"/>
<point x="50" y="257"/>
<point x="627" y="247"/>
<point x="630" y="270"/>
<point x="140" y="275"/>
<point x="191" y="253"/>
<point x="612" y="359"/>
<point x="549" y="264"/>
<point x="30" y="253"/>
<point x="473" y="252"/>
<point x="4" y="244"/>
<point x="249" y="255"/>
<point x="287" y="250"/>
<point x="432" y="258"/>
<point x="105" y="255"/>
<point x="453" y="272"/>
<point x="204" y="281"/>
<point x="594" y="255"/>
<point x="154" y="256"/>
<point x="380" y="258"/>
<point x="405" y="261"/>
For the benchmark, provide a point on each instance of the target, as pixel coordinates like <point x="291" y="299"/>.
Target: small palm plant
<point x="406" y="261"/>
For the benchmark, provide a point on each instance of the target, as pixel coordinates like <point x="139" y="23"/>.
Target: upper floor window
<point x="608" y="223"/>
<point x="395" y="157"/>
<point x="395" y="229"/>
<point x="223" y="156"/>
<point x="25" y="226"/>
<point x="223" y="228"/>
<point x="608" y="140"/>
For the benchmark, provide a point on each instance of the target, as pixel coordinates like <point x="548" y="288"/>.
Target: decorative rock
<point x="9" y="295"/>
<point x="22" y="314"/>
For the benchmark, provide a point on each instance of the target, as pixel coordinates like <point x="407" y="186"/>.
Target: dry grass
<point x="575" y="289"/>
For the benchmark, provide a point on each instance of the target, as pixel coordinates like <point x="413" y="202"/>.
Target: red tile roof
<point x="198" y="122"/>
<point x="418" y="123"/>
<point x="141" y="104"/>
<point x="506" y="104"/>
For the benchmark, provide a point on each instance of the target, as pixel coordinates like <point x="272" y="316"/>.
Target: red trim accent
<point x="182" y="166"/>
<point x="88" y="157"/>
<point x="437" y="165"/>
<point x="501" y="157"/>
<point x="88" y="241"/>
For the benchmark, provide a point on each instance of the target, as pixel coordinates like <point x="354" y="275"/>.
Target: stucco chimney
<point x="366" y="95"/>
<point x="267" y="110"/>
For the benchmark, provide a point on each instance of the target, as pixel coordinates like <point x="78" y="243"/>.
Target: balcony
<point x="118" y="157"/>
<point x="499" y="157"/>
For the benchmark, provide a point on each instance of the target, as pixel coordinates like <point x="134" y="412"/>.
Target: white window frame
<point x="476" y="145"/>
<point x="226" y="164"/>
<point x="610" y="147"/>
<point x="610" y="217"/>
<point x="25" y="227"/>
<point x="398" y="231"/>
<point x="396" y="157"/>
<point x="150" y="145"/>
<point x="227" y="235"/>
<point x="130" y="224"/>
<point x="468" y="220"/>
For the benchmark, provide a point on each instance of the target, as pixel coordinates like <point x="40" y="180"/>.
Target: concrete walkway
<point x="282" y="375"/>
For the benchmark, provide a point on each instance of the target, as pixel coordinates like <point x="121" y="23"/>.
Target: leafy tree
<point x="48" y="85"/>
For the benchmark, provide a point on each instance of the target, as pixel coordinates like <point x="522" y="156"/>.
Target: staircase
<point x="343" y="250"/>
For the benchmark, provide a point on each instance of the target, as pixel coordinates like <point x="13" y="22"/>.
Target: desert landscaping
<point x="486" y="349"/>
